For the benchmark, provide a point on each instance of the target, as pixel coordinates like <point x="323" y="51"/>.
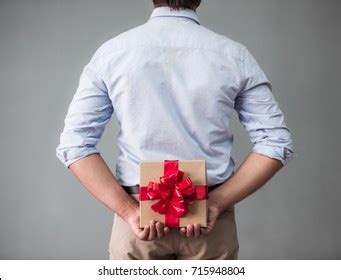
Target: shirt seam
<point x="177" y="16"/>
<point x="242" y="70"/>
<point x="104" y="59"/>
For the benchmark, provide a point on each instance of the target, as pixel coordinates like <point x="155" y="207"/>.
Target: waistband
<point x="135" y="189"/>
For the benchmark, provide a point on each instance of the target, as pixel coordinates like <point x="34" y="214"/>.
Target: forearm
<point x="252" y="174"/>
<point x="98" y="179"/>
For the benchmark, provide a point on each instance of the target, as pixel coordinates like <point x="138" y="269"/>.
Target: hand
<point x="155" y="229"/>
<point x="191" y="230"/>
<point x="212" y="216"/>
<point x="195" y="230"/>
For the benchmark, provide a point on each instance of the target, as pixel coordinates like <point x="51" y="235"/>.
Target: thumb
<point x="143" y="234"/>
<point x="205" y="230"/>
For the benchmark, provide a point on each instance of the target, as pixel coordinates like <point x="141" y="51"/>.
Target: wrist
<point x="130" y="211"/>
<point x="217" y="200"/>
<point x="214" y="203"/>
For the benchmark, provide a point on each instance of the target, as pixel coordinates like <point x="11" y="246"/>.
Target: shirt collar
<point x="166" y="11"/>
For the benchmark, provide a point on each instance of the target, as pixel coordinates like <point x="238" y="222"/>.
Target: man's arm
<point x="263" y="120"/>
<point x="95" y="175"/>
<point x="251" y="175"/>
<point x="87" y="116"/>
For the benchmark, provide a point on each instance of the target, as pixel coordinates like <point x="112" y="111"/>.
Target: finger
<point x="183" y="231"/>
<point x="196" y="230"/>
<point x="152" y="231"/>
<point x="159" y="230"/>
<point x="205" y="231"/>
<point x="189" y="231"/>
<point x="166" y="230"/>
<point x="143" y="234"/>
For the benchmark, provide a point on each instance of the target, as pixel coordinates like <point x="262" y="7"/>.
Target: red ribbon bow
<point x="174" y="193"/>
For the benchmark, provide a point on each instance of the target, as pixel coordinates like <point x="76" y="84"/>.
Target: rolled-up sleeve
<point x="260" y="114"/>
<point x="88" y="113"/>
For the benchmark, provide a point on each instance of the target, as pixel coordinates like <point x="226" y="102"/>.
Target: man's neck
<point x="161" y="5"/>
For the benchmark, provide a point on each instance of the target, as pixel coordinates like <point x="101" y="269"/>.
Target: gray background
<point x="45" y="213"/>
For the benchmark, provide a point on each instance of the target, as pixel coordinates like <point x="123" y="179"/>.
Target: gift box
<point x="173" y="192"/>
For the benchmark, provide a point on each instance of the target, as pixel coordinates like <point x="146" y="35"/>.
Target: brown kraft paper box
<point x="152" y="170"/>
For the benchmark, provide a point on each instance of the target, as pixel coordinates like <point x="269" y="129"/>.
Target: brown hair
<point x="177" y="4"/>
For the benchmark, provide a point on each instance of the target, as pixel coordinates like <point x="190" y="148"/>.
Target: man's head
<point x="177" y="4"/>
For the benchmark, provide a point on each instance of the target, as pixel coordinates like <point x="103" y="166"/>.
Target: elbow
<point x="280" y="148"/>
<point x="68" y="155"/>
<point x="74" y="146"/>
<point x="283" y="154"/>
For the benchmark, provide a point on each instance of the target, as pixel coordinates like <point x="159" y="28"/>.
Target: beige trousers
<point x="221" y="243"/>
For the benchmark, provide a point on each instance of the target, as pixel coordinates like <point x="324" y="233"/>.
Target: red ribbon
<point x="174" y="193"/>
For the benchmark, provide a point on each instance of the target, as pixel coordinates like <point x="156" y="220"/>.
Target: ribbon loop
<point x="173" y="192"/>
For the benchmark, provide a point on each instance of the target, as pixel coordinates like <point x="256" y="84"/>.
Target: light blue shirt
<point x="173" y="85"/>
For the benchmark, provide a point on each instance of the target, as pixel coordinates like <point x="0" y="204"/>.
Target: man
<point x="173" y="85"/>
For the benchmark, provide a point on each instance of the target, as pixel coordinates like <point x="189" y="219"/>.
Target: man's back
<point x="173" y="85"/>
